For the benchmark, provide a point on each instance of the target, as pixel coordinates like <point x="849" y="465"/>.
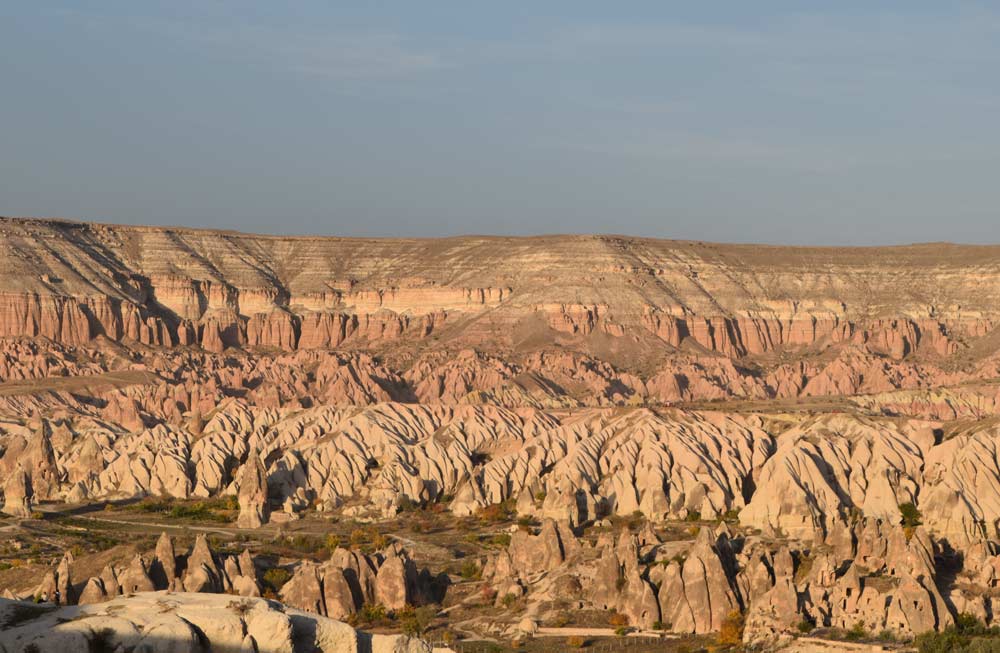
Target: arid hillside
<point x="520" y="444"/>
<point x="73" y="282"/>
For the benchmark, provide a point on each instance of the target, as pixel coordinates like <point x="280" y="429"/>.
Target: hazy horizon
<point x="730" y="123"/>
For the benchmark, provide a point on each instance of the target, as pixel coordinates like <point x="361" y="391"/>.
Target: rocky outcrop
<point x="73" y="282"/>
<point x="340" y="586"/>
<point x="697" y="594"/>
<point x="17" y="493"/>
<point x="187" y="623"/>
<point x="252" y="482"/>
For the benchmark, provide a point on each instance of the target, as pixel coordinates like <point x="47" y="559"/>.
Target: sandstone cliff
<point x="73" y="282"/>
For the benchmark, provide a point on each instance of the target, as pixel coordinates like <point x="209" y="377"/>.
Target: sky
<point x="846" y="123"/>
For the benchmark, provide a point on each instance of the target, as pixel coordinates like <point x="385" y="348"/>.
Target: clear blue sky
<point x="797" y="122"/>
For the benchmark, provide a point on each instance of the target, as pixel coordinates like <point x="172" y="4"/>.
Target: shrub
<point x="379" y="541"/>
<point x="731" y="515"/>
<point x="617" y="619"/>
<point x="857" y="632"/>
<point x="275" y="578"/>
<point x="372" y="613"/>
<point x="368" y="539"/>
<point x="561" y="620"/>
<point x="501" y="540"/>
<point x="693" y="515"/>
<point x="470" y="570"/>
<point x="508" y="600"/>
<point x="967" y="635"/>
<point x="576" y="642"/>
<point x="805" y="626"/>
<point x="497" y="512"/>
<point x="332" y="542"/>
<point x="414" y="621"/>
<point x="910" y="514"/>
<point x="731" y="631"/>
<point x="358" y="538"/>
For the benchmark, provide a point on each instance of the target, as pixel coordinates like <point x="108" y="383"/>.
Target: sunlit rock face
<point x="677" y="432"/>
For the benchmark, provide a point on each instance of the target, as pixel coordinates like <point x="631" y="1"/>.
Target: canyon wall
<point x="74" y="282"/>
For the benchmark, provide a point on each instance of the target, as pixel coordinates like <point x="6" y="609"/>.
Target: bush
<point x="406" y="504"/>
<point x="196" y="510"/>
<point x="805" y="626"/>
<point x="470" y="570"/>
<point x="561" y="620"/>
<point x="731" y="631"/>
<point x="508" y="600"/>
<point x="693" y="515"/>
<point x="857" y="632"/>
<point x="501" y="540"/>
<point x="368" y="539"/>
<point x="910" y="514"/>
<point x="497" y="512"/>
<point x="414" y="621"/>
<point x="617" y="619"/>
<point x="576" y="642"/>
<point x="372" y="613"/>
<point x="967" y="635"/>
<point x="275" y="578"/>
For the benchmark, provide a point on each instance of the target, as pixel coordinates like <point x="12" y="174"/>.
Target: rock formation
<point x="252" y="482"/>
<point x="815" y="428"/>
<point x="187" y="623"/>
<point x="17" y="493"/>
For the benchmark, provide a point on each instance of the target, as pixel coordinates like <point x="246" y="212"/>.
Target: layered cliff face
<point x="73" y="282"/>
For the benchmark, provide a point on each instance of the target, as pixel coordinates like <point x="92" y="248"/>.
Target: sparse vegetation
<point x="617" y="619"/>
<point x="470" y="570"/>
<point x="275" y="578"/>
<point x="220" y="510"/>
<point x="497" y="512"/>
<point x="967" y="635"/>
<point x="731" y="631"/>
<point x="415" y="621"/>
<point x="911" y="516"/>
<point x="857" y="632"/>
